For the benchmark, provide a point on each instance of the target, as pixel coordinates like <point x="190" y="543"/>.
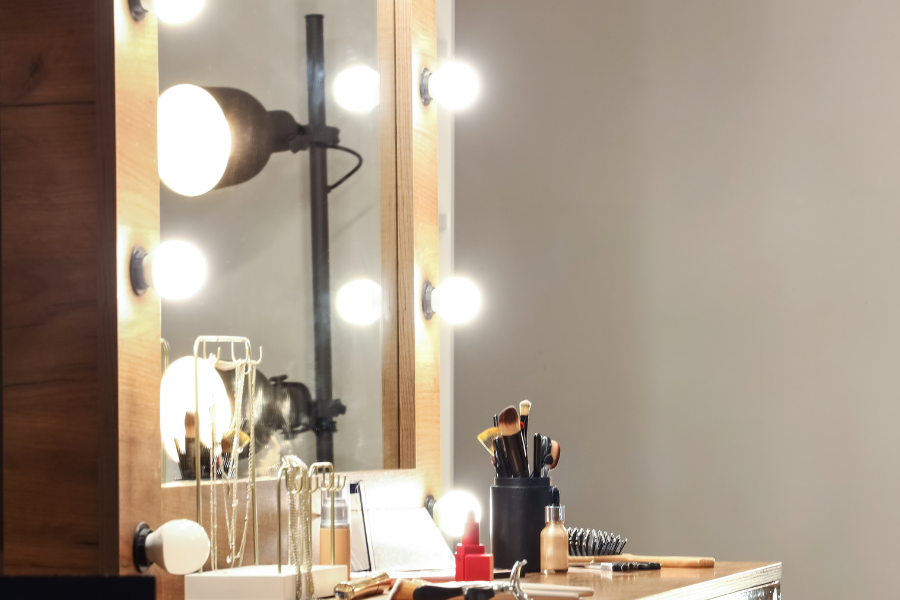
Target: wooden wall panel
<point x="49" y="270"/>
<point x="80" y="351"/>
<point x="46" y="52"/>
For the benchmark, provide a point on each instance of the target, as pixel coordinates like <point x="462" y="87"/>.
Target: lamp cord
<point x="352" y="171"/>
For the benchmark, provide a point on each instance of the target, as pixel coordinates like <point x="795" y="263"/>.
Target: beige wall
<point x="685" y="220"/>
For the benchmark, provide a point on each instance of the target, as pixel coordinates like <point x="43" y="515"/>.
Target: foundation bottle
<point x="341" y="530"/>
<point x="554" y="538"/>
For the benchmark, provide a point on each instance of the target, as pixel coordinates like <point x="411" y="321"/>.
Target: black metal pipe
<point x="318" y="188"/>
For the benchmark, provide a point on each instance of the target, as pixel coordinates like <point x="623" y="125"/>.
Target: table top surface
<point x="694" y="584"/>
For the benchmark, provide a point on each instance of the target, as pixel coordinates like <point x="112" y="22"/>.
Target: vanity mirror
<point x="82" y="134"/>
<point x="272" y="115"/>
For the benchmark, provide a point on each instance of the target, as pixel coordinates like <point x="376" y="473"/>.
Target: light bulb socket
<point x="138" y="12"/>
<point x="139" y="547"/>
<point x="139" y="281"/>
<point x="427" y="289"/>
<point x="423" y="88"/>
<point x="429" y="505"/>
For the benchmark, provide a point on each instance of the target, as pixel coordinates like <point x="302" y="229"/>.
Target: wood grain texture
<point x="46" y="52"/>
<point x="49" y="246"/>
<point x="390" y="392"/>
<point x="129" y="217"/>
<point x="80" y="379"/>
<point x="406" y="280"/>
<point x="423" y="33"/>
<point x="681" y="584"/>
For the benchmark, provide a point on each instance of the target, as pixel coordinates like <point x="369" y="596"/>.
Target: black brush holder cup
<point x="517" y="519"/>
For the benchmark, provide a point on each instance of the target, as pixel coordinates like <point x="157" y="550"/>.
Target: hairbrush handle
<point x="686" y="562"/>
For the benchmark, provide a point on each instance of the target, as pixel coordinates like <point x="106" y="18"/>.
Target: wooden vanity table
<point x="726" y="581"/>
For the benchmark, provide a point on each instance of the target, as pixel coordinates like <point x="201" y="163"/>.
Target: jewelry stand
<point x="250" y="363"/>
<point x="299" y="581"/>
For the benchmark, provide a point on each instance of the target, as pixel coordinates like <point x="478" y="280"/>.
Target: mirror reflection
<point x="268" y="127"/>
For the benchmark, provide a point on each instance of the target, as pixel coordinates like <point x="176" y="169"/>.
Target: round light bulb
<point x="193" y="139"/>
<point x="176" y="397"/>
<point x="454" y="85"/>
<point x="180" y="546"/>
<point x="357" y="89"/>
<point x="177" y="270"/>
<point x="177" y="11"/>
<point x="457" y="300"/>
<point x="451" y="511"/>
<point x="359" y="302"/>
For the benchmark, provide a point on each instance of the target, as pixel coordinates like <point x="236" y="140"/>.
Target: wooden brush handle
<point x="689" y="562"/>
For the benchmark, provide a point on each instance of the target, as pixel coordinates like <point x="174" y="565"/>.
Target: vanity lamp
<point x="452" y="510"/>
<point x="178" y="547"/>
<point x="175" y="269"/>
<point x="454" y="86"/>
<point x="169" y="11"/>
<point x="457" y="300"/>
<point x="215" y="137"/>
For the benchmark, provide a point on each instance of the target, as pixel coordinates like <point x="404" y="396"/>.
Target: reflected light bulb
<point x="454" y="85"/>
<point x="450" y="512"/>
<point x="193" y="139"/>
<point x="356" y="89"/>
<point x="457" y="300"/>
<point x="176" y="397"/>
<point x="177" y="11"/>
<point x="177" y="270"/>
<point x="359" y="302"/>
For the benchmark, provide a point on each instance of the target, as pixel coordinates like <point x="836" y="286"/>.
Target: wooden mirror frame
<point x="79" y="135"/>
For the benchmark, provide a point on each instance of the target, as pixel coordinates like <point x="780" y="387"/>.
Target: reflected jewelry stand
<point x="202" y="341"/>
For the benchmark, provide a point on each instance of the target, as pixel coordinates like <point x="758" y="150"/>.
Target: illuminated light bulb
<point x="359" y="302"/>
<point x="457" y="300"/>
<point x="451" y="511"/>
<point x="177" y="11"/>
<point x="176" y="397"/>
<point x="357" y="89"/>
<point x="193" y="138"/>
<point x="176" y="270"/>
<point x="454" y="85"/>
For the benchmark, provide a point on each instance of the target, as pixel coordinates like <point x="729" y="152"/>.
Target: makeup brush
<point x="524" y="409"/>
<point x="555" y="449"/>
<point x="487" y="437"/>
<point x="512" y="442"/>
<point x="545" y="469"/>
<point x="536" y="456"/>
<point x="500" y="459"/>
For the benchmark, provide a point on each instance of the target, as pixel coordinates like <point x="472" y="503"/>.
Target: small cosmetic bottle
<point x="341" y="530"/>
<point x="554" y="537"/>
